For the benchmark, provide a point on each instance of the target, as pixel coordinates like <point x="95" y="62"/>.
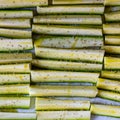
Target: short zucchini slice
<point x="112" y="2"/>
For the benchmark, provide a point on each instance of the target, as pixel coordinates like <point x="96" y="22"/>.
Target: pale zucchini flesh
<point x="14" y="78"/>
<point x="14" y="102"/>
<point x="68" y="54"/>
<point x="67" y="65"/>
<point x="66" y="30"/>
<point x="15" y="44"/>
<point x="69" y="42"/>
<point x="63" y="115"/>
<point x="17" y="116"/>
<point x="78" y="91"/>
<point x="105" y="110"/>
<point x="7" y="58"/>
<point x="112" y="2"/>
<point x="63" y="76"/>
<point x="107" y="84"/>
<point x="71" y="9"/>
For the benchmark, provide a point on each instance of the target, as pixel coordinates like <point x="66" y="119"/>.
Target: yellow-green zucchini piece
<point x="107" y="84"/>
<point x="17" y="116"/>
<point x="15" y="33"/>
<point x="50" y="90"/>
<point x="14" y="78"/>
<point x="63" y="76"/>
<point x="15" y="23"/>
<point x="109" y="95"/>
<point x="14" y="102"/>
<point x="7" y="58"/>
<point x="69" y="19"/>
<point x="15" y="68"/>
<point x="111" y="2"/>
<point x="71" y="9"/>
<point x="69" y="42"/>
<point x="110" y="74"/>
<point x="105" y="110"/>
<point x="56" y="104"/>
<point x="111" y="28"/>
<point x="22" y="3"/>
<point x="112" y="40"/>
<point x="66" y="30"/>
<point x="16" y="14"/>
<point x="14" y="89"/>
<point x="69" y="54"/>
<point x="66" y="65"/>
<point x="112" y="63"/>
<point x="7" y="44"/>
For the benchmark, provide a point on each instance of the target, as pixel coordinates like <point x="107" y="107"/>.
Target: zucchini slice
<point x="14" y="78"/>
<point x="16" y="14"/>
<point x="63" y="76"/>
<point x="14" y="89"/>
<point x="17" y="116"/>
<point x="69" y="42"/>
<point x="63" y="115"/>
<point x="22" y="3"/>
<point x="66" y="30"/>
<point x="67" y="65"/>
<point x="109" y="95"/>
<point x="112" y="63"/>
<point x="68" y="54"/>
<point x="112" y="2"/>
<point x="15" y="33"/>
<point x="8" y="45"/>
<point x="14" y="102"/>
<point x="15" y="68"/>
<point x="71" y="9"/>
<point x="15" y="23"/>
<point x="105" y="110"/>
<point x="55" y="104"/>
<point x="69" y="19"/>
<point x="111" y="74"/>
<point x="107" y="84"/>
<point x="50" y="90"/>
<point x="7" y="58"/>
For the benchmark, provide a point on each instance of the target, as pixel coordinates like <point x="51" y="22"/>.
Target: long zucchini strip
<point x="68" y="54"/>
<point x="112" y="63"/>
<point x="112" y="40"/>
<point x="16" y="14"/>
<point x="69" y="42"/>
<point x="111" y="28"/>
<point x="71" y="9"/>
<point x="66" y="30"/>
<point x="112" y="2"/>
<point x="15" y="33"/>
<point x="47" y="90"/>
<point x="15" y="23"/>
<point x="62" y="76"/>
<point x="69" y="19"/>
<point x="112" y="49"/>
<point x="109" y="95"/>
<point x="63" y="115"/>
<point x="15" y="68"/>
<point x="107" y="84"/>
<point x="55" y="104"/>
<point x="69" y="66"/>
<point x="112" y="16"/>
<point x="67" y="2"/>
<point x="17" y="116"/>
<point x="110" y="74"/>
<point x="15" y="44"/>
<point x="14" y="89"/>
<point x="22" y="3"/>
<point x="14" y="102"/>
<point x="14" y="78"/>
<point x="105" y="110"/>
<point x="7" y="58"/>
